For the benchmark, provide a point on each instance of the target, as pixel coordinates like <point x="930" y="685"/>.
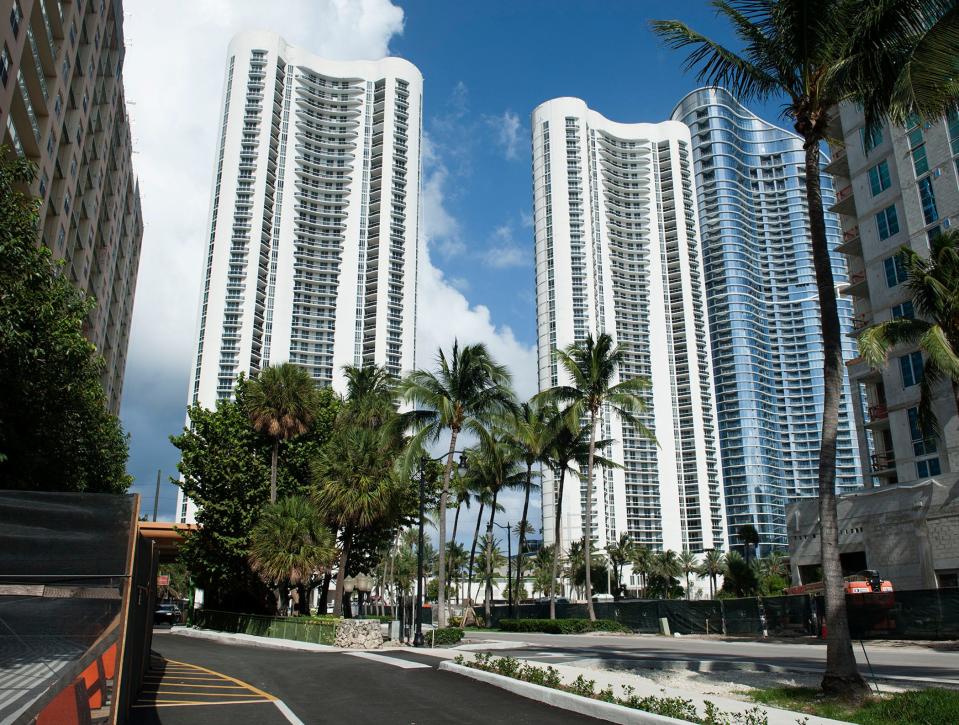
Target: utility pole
<point x="156" y="497"/>
<point x="418" y="637"/>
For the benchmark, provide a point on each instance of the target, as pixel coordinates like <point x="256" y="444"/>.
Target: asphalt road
<point x="200" y="682"/>
<point x="908" y="664"/>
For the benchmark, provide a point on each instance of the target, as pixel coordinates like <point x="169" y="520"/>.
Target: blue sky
<point x="486" y="66"/>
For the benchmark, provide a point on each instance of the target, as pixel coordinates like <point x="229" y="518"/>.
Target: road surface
<point x="907" y="664"/>
<point x="196" y="681"/>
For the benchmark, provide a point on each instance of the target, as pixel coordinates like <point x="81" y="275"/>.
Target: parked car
<point x="602" y="597"/>
<point x="166" y="613"/>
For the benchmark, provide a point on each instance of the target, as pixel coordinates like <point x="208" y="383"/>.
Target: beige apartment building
<point x="62" y="106"/>
<point x="896" y="187"/>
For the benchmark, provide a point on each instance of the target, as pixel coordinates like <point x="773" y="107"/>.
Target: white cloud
<point x="504" y="251"/>
<point x="507" y="130"/>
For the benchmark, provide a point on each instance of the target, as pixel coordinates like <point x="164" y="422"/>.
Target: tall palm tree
<point x="568" y="451"/>
<point x="620" y="553"/>
<point x="280" y="403"/>
<point x="290" y="542"/>
<point x="529" y="431"/>
<point x="593" y="365"/>
<point x="816" y="54"/>
<point x="480" y="477"/>
<point x="666" y="568"/>
<point x="688" y="565"/>
<point x="643" y="565"/>
<point x="712" y="567"/>
<point x="543" y="570"/>
<point x="491" y="559"/>
<point x="749" y="538"/>
<point x="467" y="388"/>
<point x="933" y="286"/>
<point x="461" y="488"/>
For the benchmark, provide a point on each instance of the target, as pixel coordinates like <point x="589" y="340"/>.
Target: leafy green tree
<point x="224" y="469"/>
<point x="593" y="365"/>
<point x="643" y="565"/>
<point x="467" y="389"/>
<point x="289" y="543"/>
<point x="892" y="58"/>
<point x="933" y="286"/>
<point x="543" y="571"/>
<point x="55" y="431"/>
<point x="664" y="576"/>
<point x="280" y="402"/>
<point x="689" y="565"/>
<point x="620" y="553"/>
<point x="771" y="572"/>
<point x="577" y="567"/>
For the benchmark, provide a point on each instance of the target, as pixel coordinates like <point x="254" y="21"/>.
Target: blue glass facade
<point x="764" y="318"/>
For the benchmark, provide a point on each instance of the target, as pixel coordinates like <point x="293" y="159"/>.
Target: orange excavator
<point x="873" y="600"/>
<point x="864" y="582"/>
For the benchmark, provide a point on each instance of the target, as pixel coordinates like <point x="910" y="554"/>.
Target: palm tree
<point x="665" y="570"/>
<point x="460" y="487"/>
<point x="543" y="570"/>
<point x="712" y="567"/>
<point x="280" y="404"/>
<point x="933" y="286"/>
<point x="290" y="542"/>
<point x="491" y="559"/>
<point x="643" y="565"/>
<point x="817" y="54"/>
<point x="749" y="538"/>
<point x="568" y="448"/>
<point x="593" y="365"/>
<point x="620" y="553"/>
<point x="688" y="564"/>
<point x="467" y="389"/>
<point x="529" y="431"/>
<point x="738" y="577"/>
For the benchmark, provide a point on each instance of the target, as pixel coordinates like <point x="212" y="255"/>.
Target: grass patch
<point x="921" y="707"/>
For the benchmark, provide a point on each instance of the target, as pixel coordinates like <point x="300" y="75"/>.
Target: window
<point x="887" y="222"/>
<point x="921" y="446"/>
<point x="928" y="199"/>
<point x="911" y="367"/>
<point x="895" y="267"/>
<point x="952" y="120"/>
<point x="928" y="467"/>
<point x="16" y="15"/>
<point x="904" y="311"/>
<point x="4" y="65"/>
<point x="58" y="105"/>
<point x="918" y="148"/>
<point x="871" y="138"/>
<point x="879" y="177"/>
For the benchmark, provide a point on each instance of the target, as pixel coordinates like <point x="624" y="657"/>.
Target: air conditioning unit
<point x="946" y="223"/>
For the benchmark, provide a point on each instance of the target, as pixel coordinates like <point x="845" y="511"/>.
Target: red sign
<point x="163" y="580"/>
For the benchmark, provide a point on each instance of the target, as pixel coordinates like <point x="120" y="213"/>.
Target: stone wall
<point x="359" y="634"/>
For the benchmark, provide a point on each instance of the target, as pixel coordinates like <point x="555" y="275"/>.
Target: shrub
<point x="446" y="636"/>
<point x="561" y="626"/>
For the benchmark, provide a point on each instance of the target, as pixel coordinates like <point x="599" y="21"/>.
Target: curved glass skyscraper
<point x="764" y="317"/>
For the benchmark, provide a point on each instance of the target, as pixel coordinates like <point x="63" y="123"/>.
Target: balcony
<point x="878" y="416"/>
<point x="845" y="202"/>
<point x="851" y="243"/>
<point x="883" y="464"/>
<point x="857" y="287"/>
<point x="839" y="165"/>
<point x="859" y="323"/>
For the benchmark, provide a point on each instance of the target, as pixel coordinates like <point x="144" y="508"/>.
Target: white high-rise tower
<point x="617" y="250"/>
<point x="312" y="250"/>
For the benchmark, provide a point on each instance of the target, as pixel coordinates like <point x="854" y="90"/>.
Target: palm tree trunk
<point x="469" y="584"/>
<point x="842" y="674"/>
<point x="588" y="532"/>
<point x="456" y="521"/>
<point x="489" y="574"/>
<point x="556" y="544"/>
<point x="687" y="586"/>
<point x="522" y="532"/>
<point x="341" y="574"/>
<point x="444" y="495"/>
<point x="276" y="451"/>
<point x="324" y="593"/>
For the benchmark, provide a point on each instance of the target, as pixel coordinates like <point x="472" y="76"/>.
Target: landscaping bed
<point x="674" y="707"/>
<point x="918" y="707"/>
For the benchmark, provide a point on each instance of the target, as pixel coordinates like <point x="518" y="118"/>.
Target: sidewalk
<point x="253" y="640"/>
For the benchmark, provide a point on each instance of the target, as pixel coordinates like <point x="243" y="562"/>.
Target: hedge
<point x="561" y="626"/>
<point x="445" y="635"/>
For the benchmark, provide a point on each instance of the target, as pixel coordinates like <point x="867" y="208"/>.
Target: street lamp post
<point x="509" y="567"/>
<point x="418" y="637"/>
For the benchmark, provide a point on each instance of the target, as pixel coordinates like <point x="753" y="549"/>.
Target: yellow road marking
<point x="257" y="690"/>
<point x="181" y="703"/>
<point x="190" y="684"/>
<point x="198" y="694"/>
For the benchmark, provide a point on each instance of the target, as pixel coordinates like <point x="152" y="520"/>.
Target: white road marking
<point x="287" y="713"/>
<point x="395" y="661"/>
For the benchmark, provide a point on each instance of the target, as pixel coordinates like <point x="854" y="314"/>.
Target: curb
<point x="254" y="641"/>
<point x="563" y="700"/>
